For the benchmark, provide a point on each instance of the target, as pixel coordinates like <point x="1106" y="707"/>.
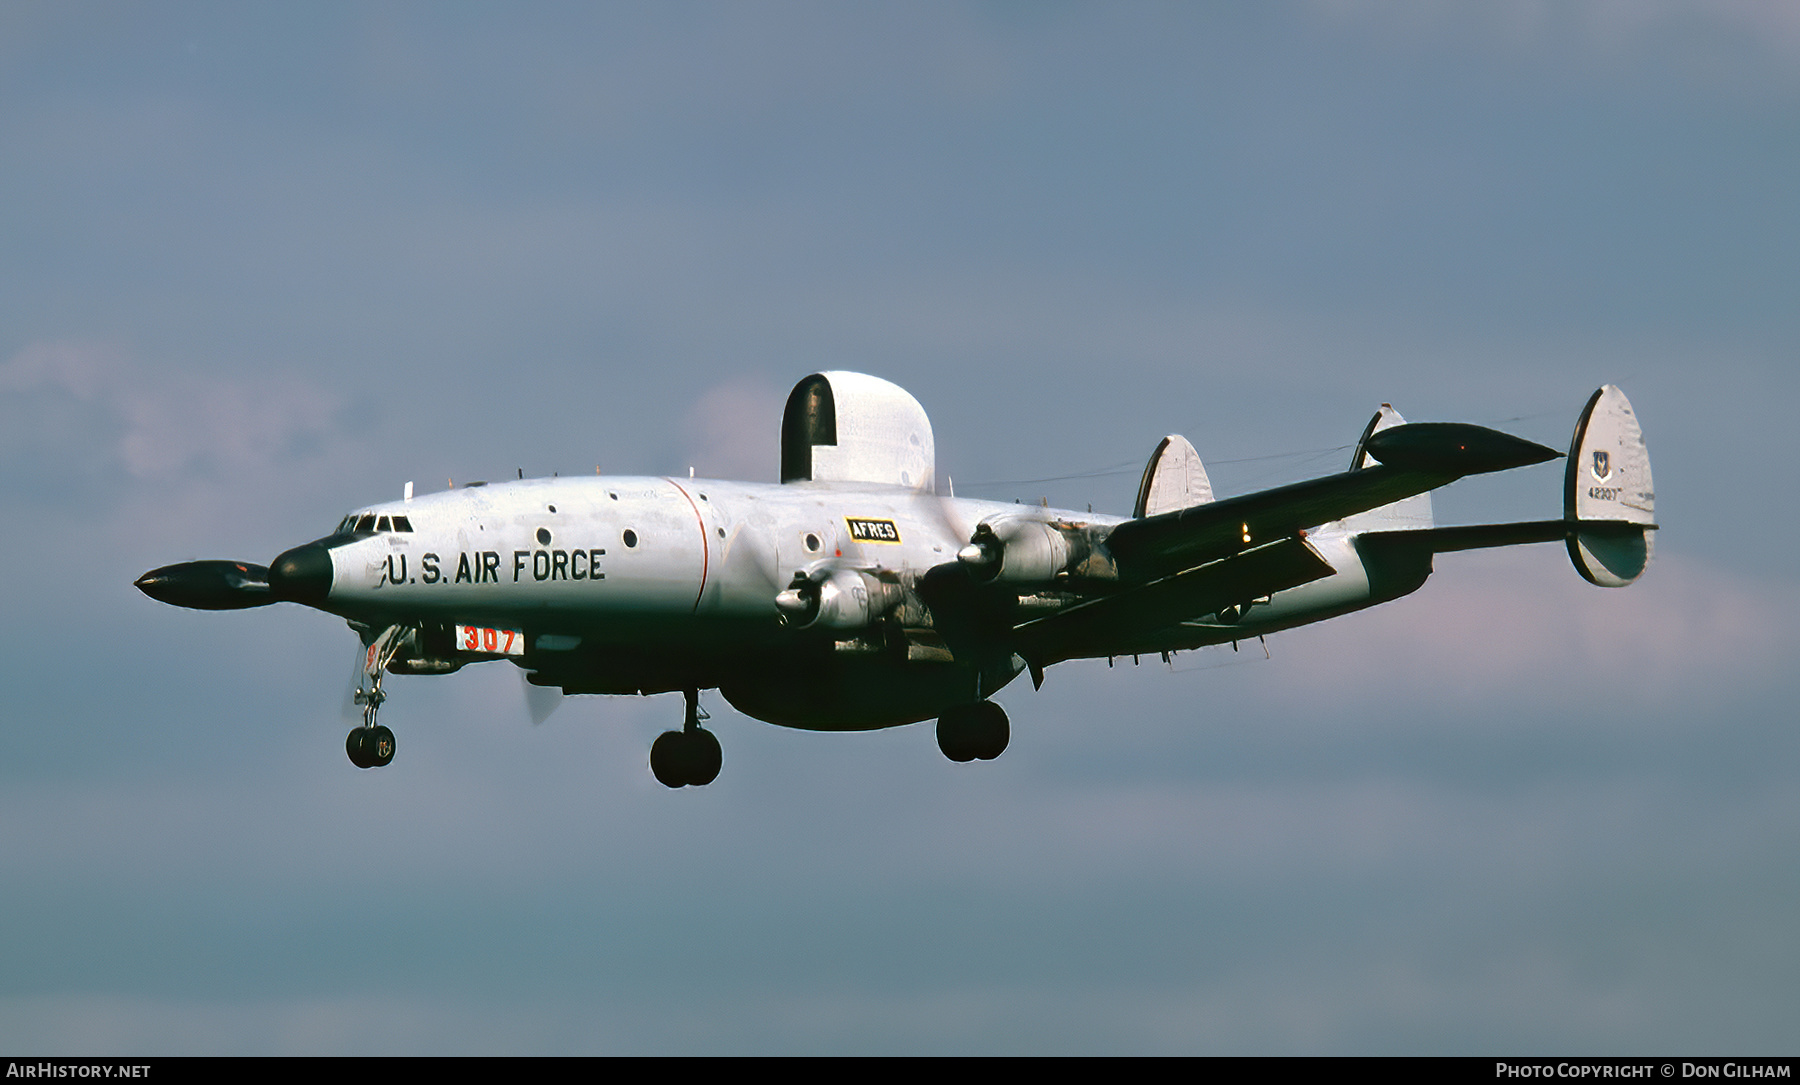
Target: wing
<point x="1147" y="618"/>
<point x="1203" y="559"/>
<point x="1414" y="458"/>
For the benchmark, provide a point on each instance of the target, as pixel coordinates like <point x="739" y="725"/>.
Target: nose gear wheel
<point x="370" y="747"/>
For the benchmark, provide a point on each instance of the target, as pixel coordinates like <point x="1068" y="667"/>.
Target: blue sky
<point x="263" y="264"/>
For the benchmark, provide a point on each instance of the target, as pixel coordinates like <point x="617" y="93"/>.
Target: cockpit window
<point x="369" y="521"/>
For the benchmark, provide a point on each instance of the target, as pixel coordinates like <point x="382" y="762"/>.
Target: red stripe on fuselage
<point x="705" y="550"/>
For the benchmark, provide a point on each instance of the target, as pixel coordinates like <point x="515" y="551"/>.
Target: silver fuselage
<point x="642" y="584"/>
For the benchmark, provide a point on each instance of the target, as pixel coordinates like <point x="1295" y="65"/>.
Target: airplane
<point x="852" y="596"/>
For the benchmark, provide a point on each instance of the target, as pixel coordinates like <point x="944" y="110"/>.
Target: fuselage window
<point x="630" y="537"/>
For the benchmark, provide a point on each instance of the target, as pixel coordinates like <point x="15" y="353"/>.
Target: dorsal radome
<point x="851" y="427"/>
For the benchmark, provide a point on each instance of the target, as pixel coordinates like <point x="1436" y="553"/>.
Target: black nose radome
<point x="208" y="585"/>
<point x="302" y="575"/>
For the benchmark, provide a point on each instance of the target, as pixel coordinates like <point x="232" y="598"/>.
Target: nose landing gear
<point x="689" y="756"/>
<point x="371" y="746"/>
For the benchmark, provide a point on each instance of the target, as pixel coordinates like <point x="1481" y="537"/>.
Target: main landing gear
<point x="371" y="746"/>
<point x="690" y="755"/>
<point x="968" y="732"/>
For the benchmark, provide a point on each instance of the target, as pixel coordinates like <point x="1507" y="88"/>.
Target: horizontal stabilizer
<point x="1110" y="625"/>
<point x="1608" y="504"/>
<point x="1444" y="540"/>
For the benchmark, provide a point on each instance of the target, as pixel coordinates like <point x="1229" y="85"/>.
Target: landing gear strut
<point x="371" y="746"/>
<point x="690" y="755"/>
<point x="969" y="732"/>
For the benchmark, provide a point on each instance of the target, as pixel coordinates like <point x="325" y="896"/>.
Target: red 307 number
<point x="499" y="642"/>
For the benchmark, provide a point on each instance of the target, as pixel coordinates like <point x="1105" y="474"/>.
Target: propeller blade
<point x="540" y="701"/>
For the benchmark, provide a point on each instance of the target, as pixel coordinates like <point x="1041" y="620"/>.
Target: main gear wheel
<point x="973" y="732"/>
<point x="690" y="756"/>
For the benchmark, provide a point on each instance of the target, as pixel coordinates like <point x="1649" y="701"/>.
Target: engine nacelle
<point x="1015" y="548"/>
<point x="844" y="600"/>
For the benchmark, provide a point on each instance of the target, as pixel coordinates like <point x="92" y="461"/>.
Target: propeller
<point x="540" y="701"/>
<point x="829" y="594"/>
<point x="983" y="552"/>
<point x="799" y="601"/>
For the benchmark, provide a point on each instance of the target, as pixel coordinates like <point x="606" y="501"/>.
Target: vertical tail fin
<point x="1607" y="492"/>
<point x="1411" y="513"/>
<point x="1173" y="479"/>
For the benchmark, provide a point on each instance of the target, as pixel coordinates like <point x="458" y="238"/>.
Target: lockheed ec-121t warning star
<point x="851" y="596"/>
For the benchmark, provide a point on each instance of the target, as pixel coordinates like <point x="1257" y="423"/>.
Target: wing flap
<point x="1109" y="626"/>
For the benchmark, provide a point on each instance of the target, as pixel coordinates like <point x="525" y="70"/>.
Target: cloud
<point x="127" y="465"/>
<point x="1506" y="627"/>
<point x="79" y="369"/>
<point x="187" y="423"/>
<point x="732" y="430"/>
<point x="156" y="425"/>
